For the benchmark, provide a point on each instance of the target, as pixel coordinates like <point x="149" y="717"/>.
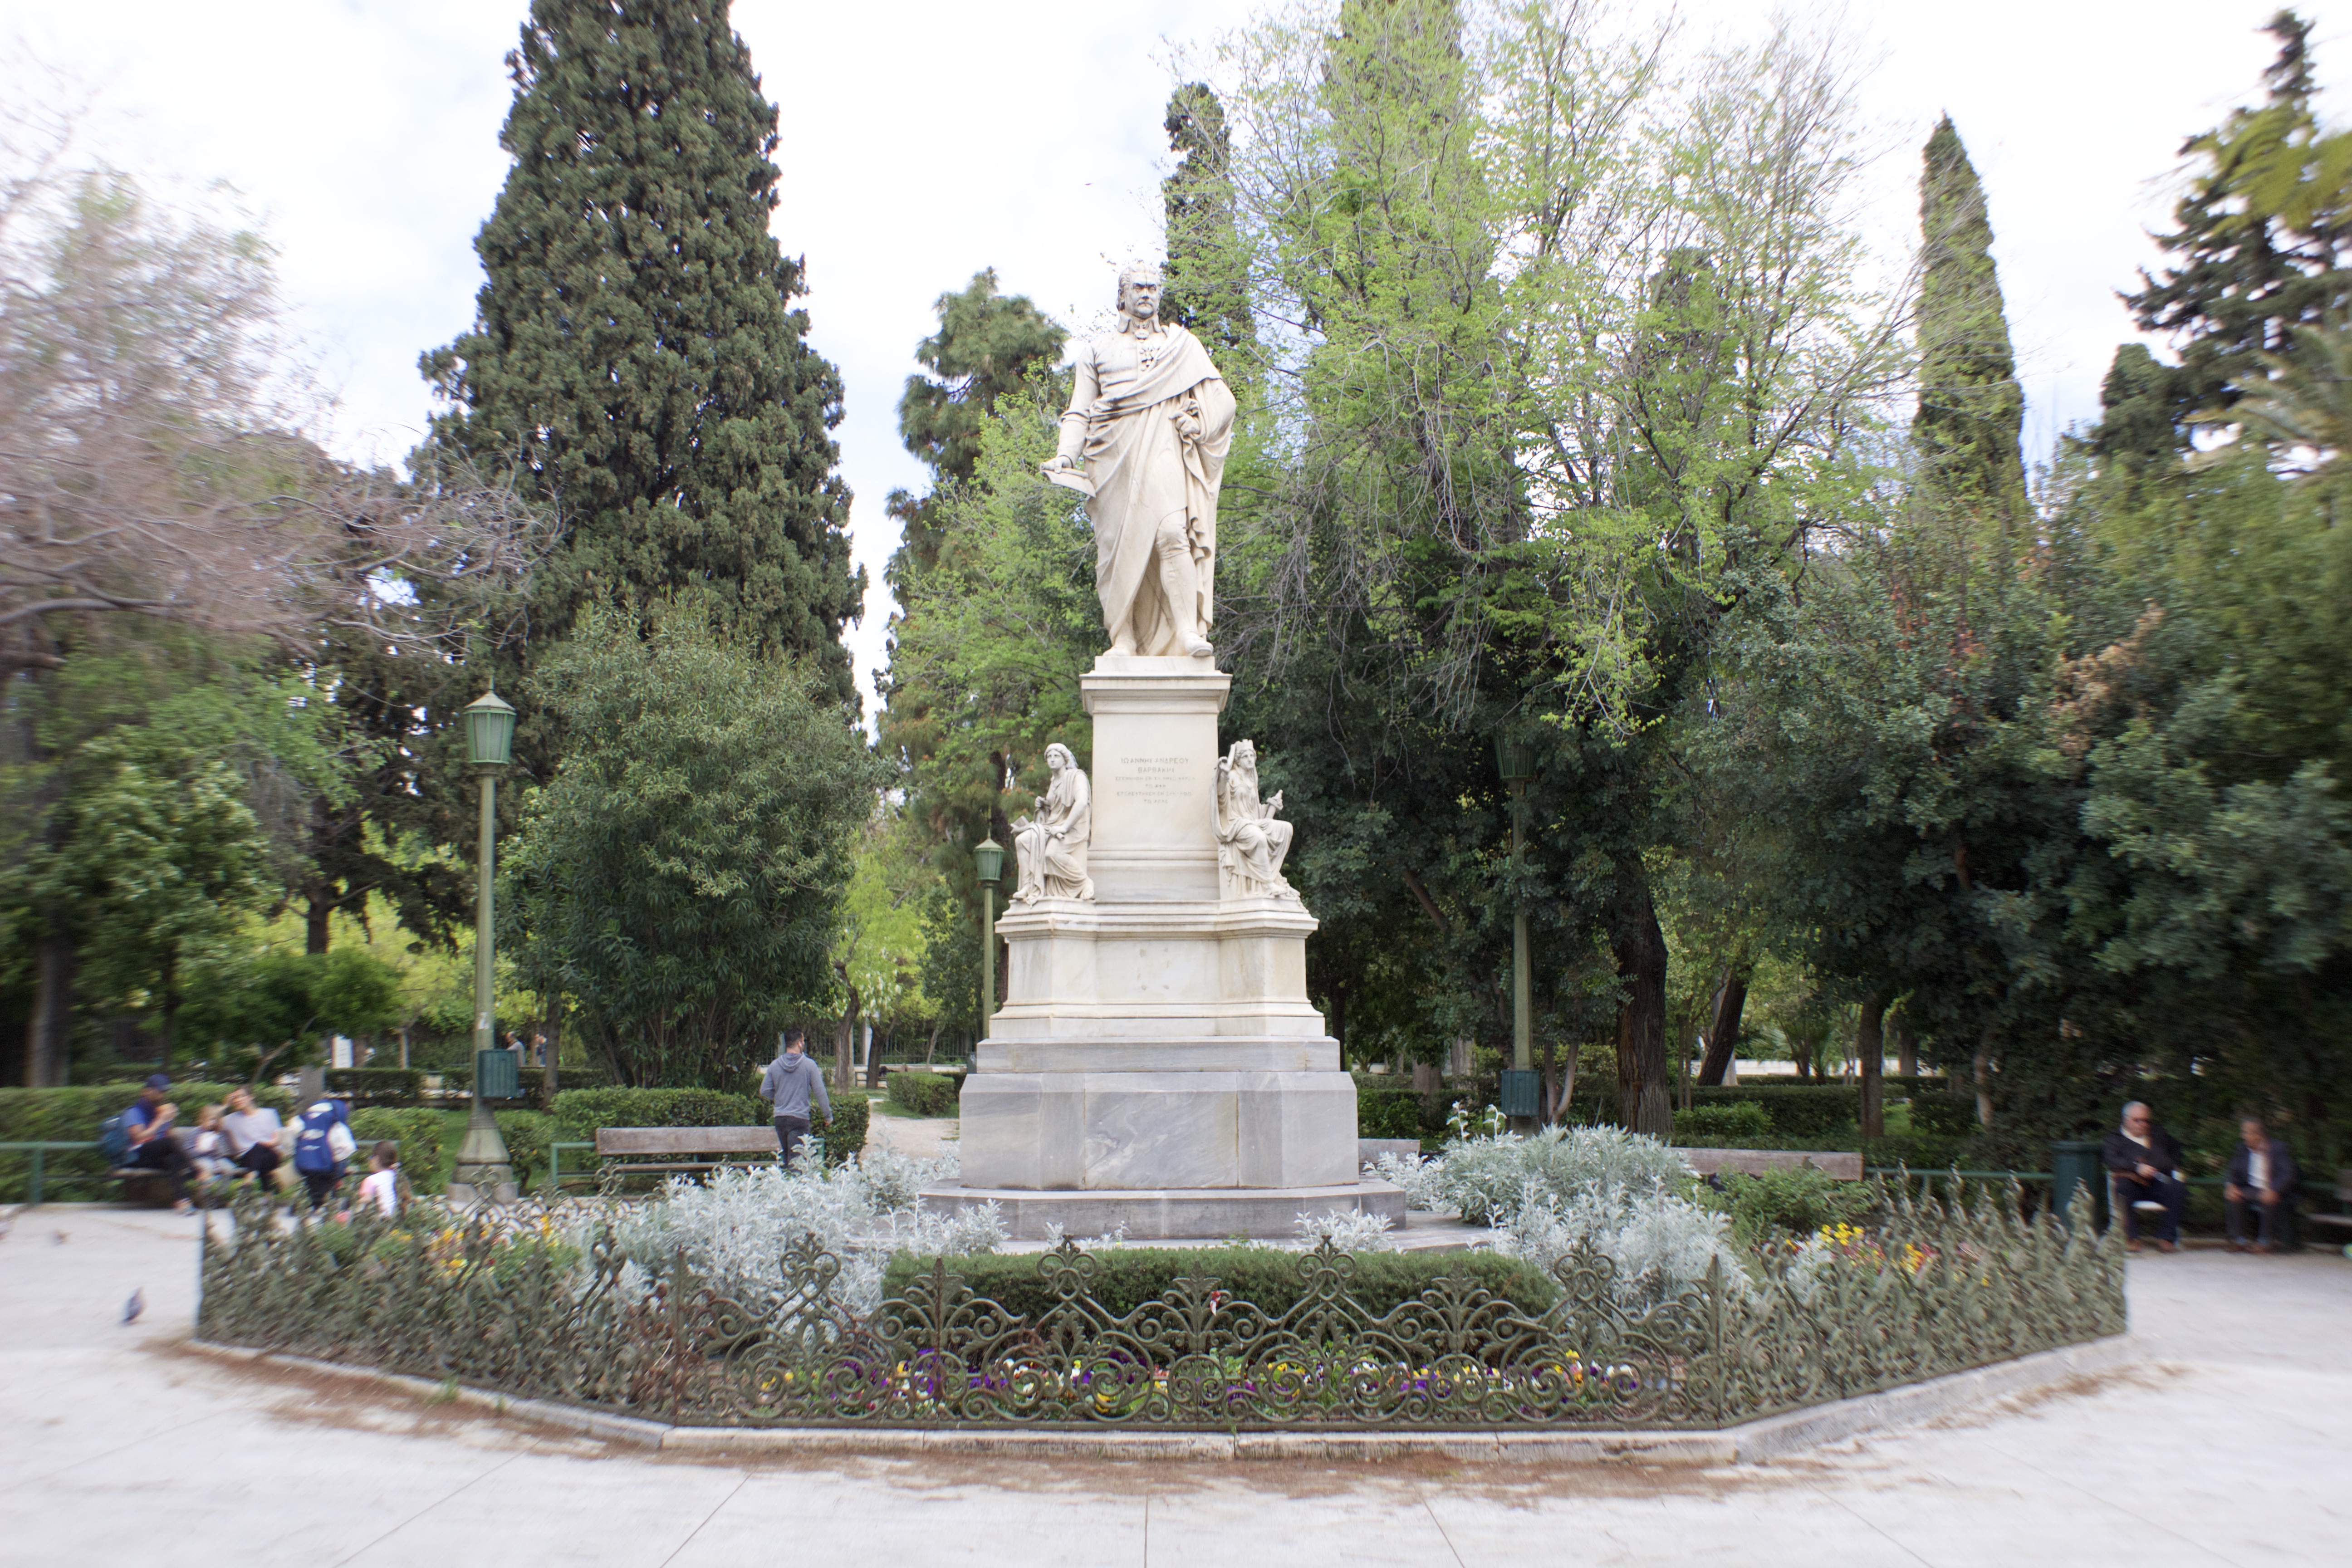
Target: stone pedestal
<point x="1156" y="1058"/>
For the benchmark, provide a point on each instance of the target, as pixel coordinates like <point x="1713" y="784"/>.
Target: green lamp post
<point x="988" y="860"/>
<point x="1520" y="1089"/>
<point x="483" y="1168"/>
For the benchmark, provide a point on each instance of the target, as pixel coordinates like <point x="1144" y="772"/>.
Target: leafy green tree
<point x="973" y="681"/>
<point x="155" y="805"/>
<point x="879" y="949"/>
<point x="681" y="877"/>
<point x="1521" y="497"/>
<point x="1205" y="292"/>
<point x="273" y="1009"/>
<point x="635" y="356"/>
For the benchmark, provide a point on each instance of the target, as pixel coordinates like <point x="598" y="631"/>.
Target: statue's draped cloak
<point x="1145" y="473"/>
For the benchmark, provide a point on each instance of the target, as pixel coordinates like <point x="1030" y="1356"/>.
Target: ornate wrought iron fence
<point x="507" y="1302"/>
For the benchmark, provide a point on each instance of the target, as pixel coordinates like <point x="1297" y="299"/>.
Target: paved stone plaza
<point x="2228" y="1444"/>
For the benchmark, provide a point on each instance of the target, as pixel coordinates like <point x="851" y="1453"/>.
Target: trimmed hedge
<point x="580" y="1111"/>
<point x="1945" y="1114"/>
<point x="72" y="1115"/>
<point x="846" y="1134"/>
<point x="379" y="1086"/>
<point x="921" y="1093"/>
<point x="419" y="1133"/>
<point x="1745" y="1118"/>
<point x="527" y="1133"/>
<point x="1388" y="1113"/>
<point x="1126" y="1277"/>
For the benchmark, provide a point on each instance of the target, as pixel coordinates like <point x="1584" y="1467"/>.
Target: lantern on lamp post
<point x="988" y="861"/>
<point x="483" y="1168"/>
<point x="1521" y="1090"/>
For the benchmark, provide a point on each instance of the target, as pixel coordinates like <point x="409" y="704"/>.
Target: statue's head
<point x="1057" y="757"/>
<point x="1138" y="290"/>
<point x="1246" y="758"/>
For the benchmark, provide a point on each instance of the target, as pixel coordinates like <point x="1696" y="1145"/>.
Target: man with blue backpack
<point x="323" y="1142"/>
<point x="140" y="1138"/>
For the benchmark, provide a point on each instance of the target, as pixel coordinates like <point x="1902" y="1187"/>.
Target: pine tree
<point x="635" y="351"/>
<point x="986" y="346"/>
<point x="1971" y="410"/>
<point x="2247" y="272"/>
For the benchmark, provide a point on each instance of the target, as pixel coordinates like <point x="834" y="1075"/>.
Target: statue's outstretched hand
<point x="1275" y="804"/>
<point x="1057" y="464"/>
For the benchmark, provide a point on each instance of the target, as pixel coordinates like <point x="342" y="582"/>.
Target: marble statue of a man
<point x="1251" y="843"/>
<point x="1145" y="439"/>
<point x="1050" y="850"/>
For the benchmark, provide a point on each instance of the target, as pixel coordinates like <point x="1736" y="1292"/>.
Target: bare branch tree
<point x="151" y="456"/>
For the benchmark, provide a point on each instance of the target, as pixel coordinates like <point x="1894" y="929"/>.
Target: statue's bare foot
<point x="1199" y="647"/>
<point x="1122" y="650"/>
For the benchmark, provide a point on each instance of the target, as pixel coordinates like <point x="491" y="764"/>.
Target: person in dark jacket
<point x="791" y="1082"/>
<point x="150" y="1118"/>
<point x="2260" y="1187"/>
<point x="2143" y="1162"/>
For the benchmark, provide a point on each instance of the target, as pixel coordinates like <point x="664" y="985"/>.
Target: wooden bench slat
<point x="610" y="1141"/>
<point x="1843" y="1167"/>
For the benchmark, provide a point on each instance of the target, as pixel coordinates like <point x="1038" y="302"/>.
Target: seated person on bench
<point x="152" y="1147"/>
<point x="2143" y="1162"/>
<point x="2261" y="1182"/>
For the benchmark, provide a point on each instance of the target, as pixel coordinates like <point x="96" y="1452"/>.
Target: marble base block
<point x="1143" y="1130"/>
<point x="1169" y="1214"/>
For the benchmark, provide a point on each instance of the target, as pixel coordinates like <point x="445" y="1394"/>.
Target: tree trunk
<point x="1723" y="1023"/>
<point x="318" y="905"/>
<point x="1906" y="1044"/>
<point x="1800" y="1057"/>
<point x="1641" y="1065"/>
<point x="1870" y="1052"/>
<point x="48" y="1037"/>
<point x="1983" y="1065"/>
<point x="1550" y="1105"/>
<point x="932" y="1046"/>
<point x="548" y="1027"/>
<point x="844" y="1044"/>
<point x="171" y="989"/>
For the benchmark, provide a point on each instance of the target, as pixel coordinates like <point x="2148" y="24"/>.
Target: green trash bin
<point x="497" y="1075"/>
<point x="1520" y="1092"/>
<point x="2074" y="1162"/>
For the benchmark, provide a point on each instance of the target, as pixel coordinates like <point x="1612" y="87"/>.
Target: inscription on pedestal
<point x="1157" y="782"/>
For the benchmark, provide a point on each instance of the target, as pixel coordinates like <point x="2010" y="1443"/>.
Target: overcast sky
<point x="924" y="141"/>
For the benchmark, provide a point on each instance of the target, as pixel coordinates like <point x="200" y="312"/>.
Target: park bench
<point x="634" y="1150"/>
<point x="1756" y="1162"/>
<point x="2342" y="1219"/>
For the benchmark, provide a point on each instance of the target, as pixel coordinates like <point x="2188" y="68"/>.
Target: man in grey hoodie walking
<point x="788" y="1082"/>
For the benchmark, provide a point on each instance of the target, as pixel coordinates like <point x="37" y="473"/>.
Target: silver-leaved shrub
<point x="734" y="1229"/>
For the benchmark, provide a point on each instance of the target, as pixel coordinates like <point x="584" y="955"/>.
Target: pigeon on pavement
<point x="59" y="1236"/>
<point x="136" y="1305"/>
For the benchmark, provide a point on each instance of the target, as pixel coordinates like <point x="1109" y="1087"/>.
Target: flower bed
<point x="539" y="1304"/>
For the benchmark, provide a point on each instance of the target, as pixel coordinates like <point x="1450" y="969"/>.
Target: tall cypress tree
<point x="1971" y="410"/>
<point x="635" y="351"/>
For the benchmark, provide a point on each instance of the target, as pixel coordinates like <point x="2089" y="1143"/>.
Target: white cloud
<point x="925" y="141"/>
